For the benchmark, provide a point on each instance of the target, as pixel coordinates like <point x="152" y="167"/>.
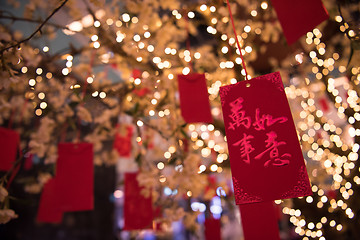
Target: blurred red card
<point x="122" y="143"/>
<point x="212" y="229"/>
<point x="49" y="210"/>
<point x="259" y="221"/>
<point x="75" y="176"/>
<point x="9" y="143"/>
<point x="265" y="155"/>
<point x="194" y="98"/>
<point x="299" y="17"/>
<point x="138" y="210"/>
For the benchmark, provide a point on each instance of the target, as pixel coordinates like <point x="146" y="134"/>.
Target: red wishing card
<point x="122" y="143"/>
<point x="194" y="98"/>
<point x="49" y="210"/>
<point x="9" y="143"/>
<point x="299" y="17"/>
<point x="138" y="210"/>
<point x="265" y="155"/>
<point x="75" y="176"/>
<point x="28" y="161"/>
<point x="259" y="221"/>
<point x="212" y="229"/>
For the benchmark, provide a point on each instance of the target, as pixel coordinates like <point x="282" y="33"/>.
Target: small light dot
<point x="39" y="71"/>
<point x="94" y="38"/>
<point x="126" y="17"/>
<point x="24" y="69"/>
<point x="139" y="123"/>
<point x="264" y="5"/>
<point x="150" y="48"/>
<point x="90" y="80"/>
<point x="137" y="38"/>
<point x="43" y="105"/>
<point x="109" y="21"/>
<point x="137" y="81"/>
<point x="97" y="23"/>
<point x="213" y="167"/>
<point x="147" y="34"/>
<point x="41" y="95"/>
<point x="186" y="71"/>
<point x="118" y="194"/>
<point x="167" y="155"/>
<point x="247" y="28"/>
<point x="102" y="95"/>
<point x="96" y="44"/>
<point x="160" y="165"/>
<point x="65" y="71"/>
<point x="134" y="20"/>
<point x="38" y="112"/>
<point x="32" y="82"/>
<point x="118" y="23"/>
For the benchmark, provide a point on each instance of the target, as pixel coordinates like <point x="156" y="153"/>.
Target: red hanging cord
<point x="237" y="41"/>
<point x="11" y="120"/>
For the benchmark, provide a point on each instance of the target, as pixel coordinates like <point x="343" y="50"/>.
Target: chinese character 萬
<point x="238" y="115"/>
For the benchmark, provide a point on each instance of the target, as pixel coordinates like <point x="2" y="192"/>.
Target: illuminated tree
<point x="123" y="71"/>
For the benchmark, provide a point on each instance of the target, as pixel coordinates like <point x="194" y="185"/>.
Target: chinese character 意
<point x="245" y="147"/>
<point x="238" y="115"/>
<point x="272" y="147"/>
<point x="266" y="120"/>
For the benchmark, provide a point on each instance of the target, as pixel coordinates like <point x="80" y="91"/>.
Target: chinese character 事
<point x="262" y="121"/>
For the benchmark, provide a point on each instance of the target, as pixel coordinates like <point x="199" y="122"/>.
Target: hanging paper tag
<point x="194" y="98"/>
<point x="138" y="210"/>
<point x="259" y="221"/>
<point x="49" y="210"/>
<point x="75" y="176"/>
<point x="28" y="161"/>
<point x="122" y="143"/>
<point x="299" y="17"/>
<point x="212" y="229"/>
<point x="9" y="143"/>
<point x="265" y="156"/>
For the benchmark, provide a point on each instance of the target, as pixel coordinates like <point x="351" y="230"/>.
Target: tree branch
<point x="13" y="18"/>
<point x="38" y="29"/>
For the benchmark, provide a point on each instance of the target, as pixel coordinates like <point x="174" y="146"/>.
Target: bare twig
<point x="155" y="129"/>
<point x="38" y="29"/>
<point x="13" y="18"/>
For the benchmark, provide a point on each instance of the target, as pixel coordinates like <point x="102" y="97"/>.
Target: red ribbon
<point x="237" y="41"/>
